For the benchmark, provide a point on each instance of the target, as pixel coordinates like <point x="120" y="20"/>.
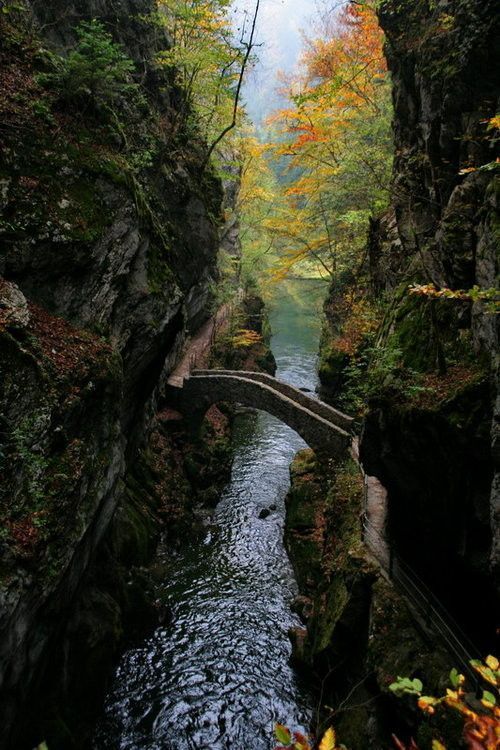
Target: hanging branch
<point x="249" y="46"/>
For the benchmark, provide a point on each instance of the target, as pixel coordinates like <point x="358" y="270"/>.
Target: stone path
<point x="197" y="348"/>
<point x="375" y="513"/>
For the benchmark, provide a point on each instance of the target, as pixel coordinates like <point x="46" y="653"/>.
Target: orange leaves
<point x="348" y="64"/>
<point x="359" y="319"/>
<point x="336" y="144"/>
<point x="481" y="726"/>
<point x="341" y="75"/>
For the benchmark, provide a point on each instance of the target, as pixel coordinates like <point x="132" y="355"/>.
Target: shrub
<point x="96" y="70"/>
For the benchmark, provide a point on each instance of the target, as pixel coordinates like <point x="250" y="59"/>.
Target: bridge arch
<point x="323" y="428"/>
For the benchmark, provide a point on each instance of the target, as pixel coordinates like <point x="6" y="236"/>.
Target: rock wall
<point x="109" y="235"/>
<point x="243" y="342"/>
<point x="425" y="381"/>
<point x="358" y="631"/>
<point x="438" y="454"/>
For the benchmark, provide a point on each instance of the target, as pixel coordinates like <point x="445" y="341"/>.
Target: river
<point x="218" y="676"/>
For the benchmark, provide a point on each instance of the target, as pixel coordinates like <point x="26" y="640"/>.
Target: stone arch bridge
<point x="323" y="428"/>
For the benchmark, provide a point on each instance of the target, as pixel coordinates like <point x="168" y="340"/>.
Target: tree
<point x="335" y="138"/>
<point x="96" y="70"/>
<point x="209" y="63"/>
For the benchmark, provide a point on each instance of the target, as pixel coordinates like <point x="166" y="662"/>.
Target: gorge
<point x="181" y="570"/>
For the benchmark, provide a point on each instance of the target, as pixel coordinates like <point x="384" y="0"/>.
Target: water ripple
<point x="219" y="676"/>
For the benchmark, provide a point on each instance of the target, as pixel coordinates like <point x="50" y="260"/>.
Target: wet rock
<point x="89" y="256"/>
<point x="14" y="311"/>
<point x="165" y="613"/>
<point x="303" y="607"/>
<point x="299" y="640"/>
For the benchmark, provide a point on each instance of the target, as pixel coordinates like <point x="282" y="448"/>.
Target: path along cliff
<point x="425" y="385"/>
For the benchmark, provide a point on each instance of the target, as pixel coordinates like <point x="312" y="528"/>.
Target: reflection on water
<point x="218" y="677"/>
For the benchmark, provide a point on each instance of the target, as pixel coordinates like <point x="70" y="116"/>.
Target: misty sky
<point x="279" y="27"/>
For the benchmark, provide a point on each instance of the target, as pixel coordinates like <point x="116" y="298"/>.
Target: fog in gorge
<point x="279" y="32"/>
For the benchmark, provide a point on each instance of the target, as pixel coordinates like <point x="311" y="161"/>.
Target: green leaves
<point x="282" y="734"/>
<point x="205" y="59"/>
<point x="488" y="700"/>
<point x="97" y="68"/>
<point x="406" y="685"/>
<point x="489" y="670"/>
<point x="456" y="679"/>
<point x="336" y="139"/>
<point x="7" y="8"/>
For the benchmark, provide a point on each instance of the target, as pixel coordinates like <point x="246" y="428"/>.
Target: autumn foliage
<point x="298" y="741"/>
<point x="334" y="139"/>
<point x="478" y="710"/>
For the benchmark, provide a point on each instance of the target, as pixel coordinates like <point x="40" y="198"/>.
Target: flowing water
<point x="219" y="676"/>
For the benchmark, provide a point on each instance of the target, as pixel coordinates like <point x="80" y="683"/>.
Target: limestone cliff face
<point x="358" y="630"/>
<point x="437" y="452"/>
<point x="428" y="391"/>
<point x="108" y="243"/>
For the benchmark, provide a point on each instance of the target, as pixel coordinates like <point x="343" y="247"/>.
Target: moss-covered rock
<point x="243" y="343"/>
<point x="359" y="632"/>
<point x="109" y="236"/>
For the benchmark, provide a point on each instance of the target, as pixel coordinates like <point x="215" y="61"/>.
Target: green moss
<point x="86" y="213"/>
<point x="396" y="647"/>
<point x="304" y="462"/>
<point x="334" y="600"/>
<point x="135" y="532"/>
<point x="332" y="362"/>
<point x="247" y="314"/>
<point x="443" y="38"/>
<point x="352" y="725"/>
<point x="344" y="503"/>
<point x="160" y="275"/>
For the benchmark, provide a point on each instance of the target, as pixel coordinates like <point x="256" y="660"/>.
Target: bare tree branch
<point x="249" y="46"/>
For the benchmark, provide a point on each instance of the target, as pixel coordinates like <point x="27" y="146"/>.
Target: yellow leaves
<point x="329" y="741"/>
<point x="492" y="662"/>
<point x="245" y="338"/>
<point x="204" y="58"/>
<point x="490" y="297"/>
<point x="494" y="122"/>
<point x="481" y="729"/>
<point x="335" y="143"/>
<point x="489" y="670"/>
<point x="445" y="22"/>
<point x="456" y="679"/>
<point x="342" y="77"/>
<point x="488" y="700"/>
<point x="348" y="63"/>
<point x="359" y="317"/>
